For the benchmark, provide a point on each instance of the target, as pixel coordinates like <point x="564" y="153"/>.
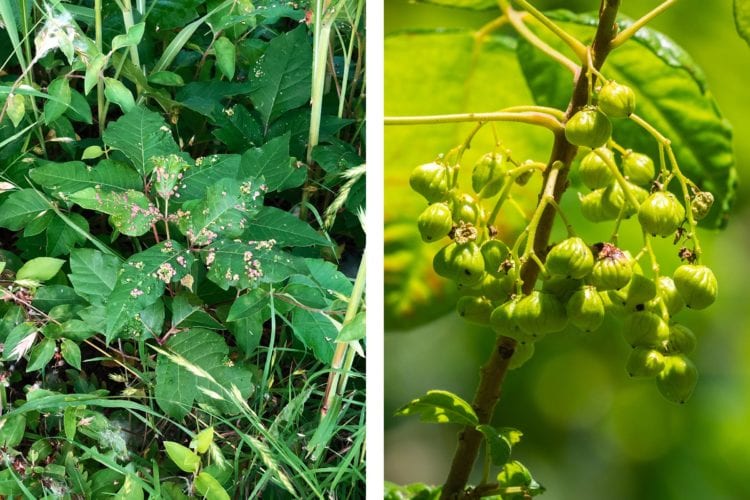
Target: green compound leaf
<point x="119" y="94"/>
<point x="316" y="332"/>
<point x="93" y="274"/>
<point x="133" y="37"/>
<point x="283" y="75"/>
<point x="244" y="264"/>
<point x="60" y="179"/>
<point x="430" y="73"/>
<point x="198" y="357"/>
<point x="273" y="163"/>
<point x="142" y="280"/>
<point x="183" y="457"/>
<point x="20" y="208"/>
<point x="141" y="134"/>
<point x="671" y="94"/>
<point x="742" y="18"/>
<point x="499" y="446"/>
<point x="285" y="228"/>
<point x="225" y="211"/>
<point x="132" y="213"/>
<point x="441" y="407"/>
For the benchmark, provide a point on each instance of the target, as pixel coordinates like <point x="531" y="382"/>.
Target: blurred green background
<point x="590" y="432"/>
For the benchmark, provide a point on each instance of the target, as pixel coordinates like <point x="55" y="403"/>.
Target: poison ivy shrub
<point x="171" y="256"/>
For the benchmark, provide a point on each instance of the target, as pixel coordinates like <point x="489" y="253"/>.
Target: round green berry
<point x="585" y="309"/>
<point x="637" y="292"/>
<point x="561" y="287"/>
<point x="540" y="313"/>
<point x="643" y="328"/>
<point x="466" y="209"/>
<point x="595" y="209"/>
<point x="681" y="339"/>
<point x="616" y="100"/>
<point x="488" y="175"/>
<point x="571" y="258"/>
<point x="593" y="171"/>
<point x="638" y="168"/>
<point x="644" y="362"/>
<point x="613" y="268"/>
<point x="435" y="222"/>
<point x="475" y="310"/>
<point x="431" y="180"/>
<point x="503" y="322"/>
<point x="589" y="127"/>
<point x="661" y="214"/>
<point x="495" y="254"/>
<point x="667" y="292"/>
<point x="615" y="200"/>
<point x="696" y="284"/>
<point x="678" y="378"/>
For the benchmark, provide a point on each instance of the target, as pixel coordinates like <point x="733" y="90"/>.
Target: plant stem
<point x="577" y="47"/>
<point x="530" y="117"/>
<point x="628" y="32"/>
<point x="493" y="372"/>
<point x="100" y="105"/>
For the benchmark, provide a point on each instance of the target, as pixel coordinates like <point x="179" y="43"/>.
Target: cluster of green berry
<point x="582" y="283"/>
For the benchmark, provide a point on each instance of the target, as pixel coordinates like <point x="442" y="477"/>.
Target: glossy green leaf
<point x="225" y="56"/>
<point x="119" y="94"/>
<point x="93" y="274"/>
<point x="224" y="212"/>
<point x="59" y="88"/>
<point x="285" y="228"/>
<point x="498" y="445"/>
<point x="316" y="332"/>
<point x="244" y="265"/>
<point x="441" y="407"/>
<point x="671" y="95"/>
<point x="61" y="237"/>
<point x="12" y="429"/>
<point x="73" y="176"/>
<point x="209" y="487"/>
<point x="141" y="134"/>
<point x="20" y="208"/>
<point x="248" y="304"/>
<point x="71" y="353"/>
<point x="40" y="355"/>
<point x="132" y="213"/>
<point x="203" y="440"/>
<point x="273" y="163"/>
<point x="742" y="18"/>
<point x="283" y="75"/>
<point x="142" y="280"/>
<point x="40" y="269"/>
<point x="432" y="73"/>
<point x="183" y="457"/>
<point x="200" y="351"/>
<point x="131" y="38"/>
<point x="16" y="109"/>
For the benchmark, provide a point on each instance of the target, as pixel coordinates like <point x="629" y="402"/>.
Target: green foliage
<point x="165" y="259"/>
